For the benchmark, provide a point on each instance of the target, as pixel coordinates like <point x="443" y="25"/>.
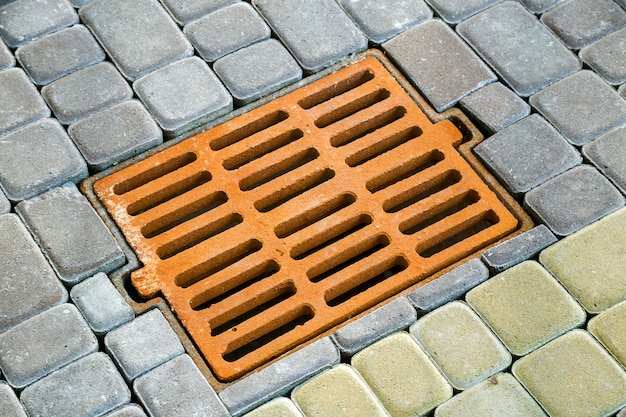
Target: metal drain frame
<point x="471" y="137"/>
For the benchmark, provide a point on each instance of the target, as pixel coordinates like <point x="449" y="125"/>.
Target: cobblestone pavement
<point x="533" y="326"/>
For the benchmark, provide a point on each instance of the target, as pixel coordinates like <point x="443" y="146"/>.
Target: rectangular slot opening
<point x="382" y="146"/>
<point x="368" y="126"/>
<point x="336" y="89"/>
<point x="351" y="108"/>
<point x="279" y="169"/>
<point x="404" y="171"/>
<point x="294" y="190"/>
<point x="256" y="151"/>
<point x="422" y="191"/>
<point x="263" y="123"/>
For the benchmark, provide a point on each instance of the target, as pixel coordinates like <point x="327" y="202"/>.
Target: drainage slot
<point x="454" y="205"/>
<point x="168" y="193"/>
<point x="314" y="215"/>
<point x="382" y="146"/>
<point x="404" y="171"/>
<point x="256" y="151"/>
<point x="250" y="129"/>
<point x="152" y="174"/>
<point x="483" y="222"/>
<point x="199" y="235"/>
<point x="336" y="89"/>
<point x="422" y="191"/>
<point x="352" y="107"/>
<point x="368" y="126"/>
<point x="216" y="264"/>
<point x="279" y="169"/>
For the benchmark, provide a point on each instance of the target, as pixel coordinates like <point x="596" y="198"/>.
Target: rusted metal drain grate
<point x="285" y="221"/>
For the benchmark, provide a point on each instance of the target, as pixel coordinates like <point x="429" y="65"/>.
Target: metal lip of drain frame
<point x="309" y="208"/>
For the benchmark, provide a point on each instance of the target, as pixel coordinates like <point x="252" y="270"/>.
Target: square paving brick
<point x="226" y="30"/>
<point x="527" y="153"/>
<point x="590" y="263"/>
<point x="499" y="396"/>
<point x="338" y="392"/>
<point x="9" y="403"/>
<point x="130" y="410"/>
<point x="455" y="11"/>
<point x="44" y="343"/>
<point x="381" y="20"/>
<point x="101" y="304"/>
<point x="581" y="22"/>
<point x="573" y="376"/>
<point x="257" y="70"/>
<point x="607" y="57"/>
<point x="461" y="345"/>
<point x="573" y="200"/>
<point x="178" y="389"/>
<point x="126" y="29"/>
<point x="6" y="56"/>
<point x="521" y="49"/>
<point x="28" y="284"/>
<point x="608" y="154"/>
<point x="24" y="20"/>
<point x="279" y="407"/>
<point x="402" y="376"/>
<point x="37" y="158"/>
<point x="143" y="344"/>
<point x="86" y="91"/>
<point x="71" y="234"/>
<point x="88" y="387"/>
<point x="317" y="32"/>
<point x="582" y="106"/>
<point x="185" y="11"/>
<point x="183" y="95"/>
<point x="20" y="102"/>
<point x="526" y="307"/>
<point x="540" y="6"/>
<point x="5" y="204"/>
<point x="115" y="134"/>
<point x="422" y="51"/>
<point x="59" y="54"/>
<point x="495" y="106"/>
<point x="610" y="329"/>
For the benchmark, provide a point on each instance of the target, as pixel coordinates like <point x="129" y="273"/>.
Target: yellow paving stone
<point x="610" y="328"/>
<point x="279" y="407"/>
<point x="402" y="376"/>
<point x="573" y="376"/>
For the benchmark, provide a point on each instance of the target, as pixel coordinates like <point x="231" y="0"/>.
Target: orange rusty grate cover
<point x="271" y="228"/>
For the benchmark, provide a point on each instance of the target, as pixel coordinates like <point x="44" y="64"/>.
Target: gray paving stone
<point x="20" y="102"/>
<point x="90" y="386"/>
<point x="449" y="286"/>
<point x="115" y="134"/>
<point x="280" y="377"/>
<point x="257" y="70"/>
<point x="622" y="90"/>
<point x="185" y="11"/>
<point x="424" y="50"/>
<point x="6" y="57"/>
<point x="143" y="344"/>
<point x="608" y="154"/>
<point x="540" y="6"/>
<point x="9" y="403"/>
<point x="24" y="20"/>
<point x="43" y="344"/>
<point x="390" y="318"/>
<point x="381" y="20"/>
<point x="622" y="413"/>
<point x="455" y="11"/>
<point x="581" y="106"/>
<point x="101" y="304"/>
<point x="226" y="30"/>
<point x="183" y="95"/>
<point x="178" y="389"/>
<point x="527" y="153"/>
<point x="127" y="32"/>
<point x="71" y="234"/>
<point x="36" y="158"/>
<point x="28" y="284"/>
<point x="86" y="91"/>
<point x="130" y="410"/>
<point x="526" y="55"/>
<point x="495" y="107"/>
<point x="56" y="55"/>
<point x="518" y="249"/>
<point x="80" y="3"/>
<point x="607" y="57"/>
<point x="317" y="32"/>
<point x="581" y="22"/>
<point x="573" y="200"/>
<point x="5" y="204"/>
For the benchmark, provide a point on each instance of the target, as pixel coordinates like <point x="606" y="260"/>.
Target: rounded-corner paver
<point x="608" y="153"/>
<point x="541" y="6"/>
<point x="129" y="410"/>
<point x="278" y="407"/>
<point x="20" y="102"/>
<point x="5" y="204"/>
<point x="609" y="327"/>
<point x="455" y="11"/>
<point x="9" y="403"/>
<point x="573" y="376"/>
<point x="7" y="60"/>
<point x="606" y="57"/>
<point x="186" y="11"/>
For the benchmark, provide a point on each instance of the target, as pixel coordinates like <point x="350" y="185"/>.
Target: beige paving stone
<point x="337" y="392"/>
<point x="279" y="407"/>
<point x="402" y="376"/>
<point x="573" y="376"/>
<point x="590" y="262"/>
<point x="526" y="307"/>
<point x="610" y="328"/>
<point x="499" y="396"/>
<point x="461" y="344"/>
